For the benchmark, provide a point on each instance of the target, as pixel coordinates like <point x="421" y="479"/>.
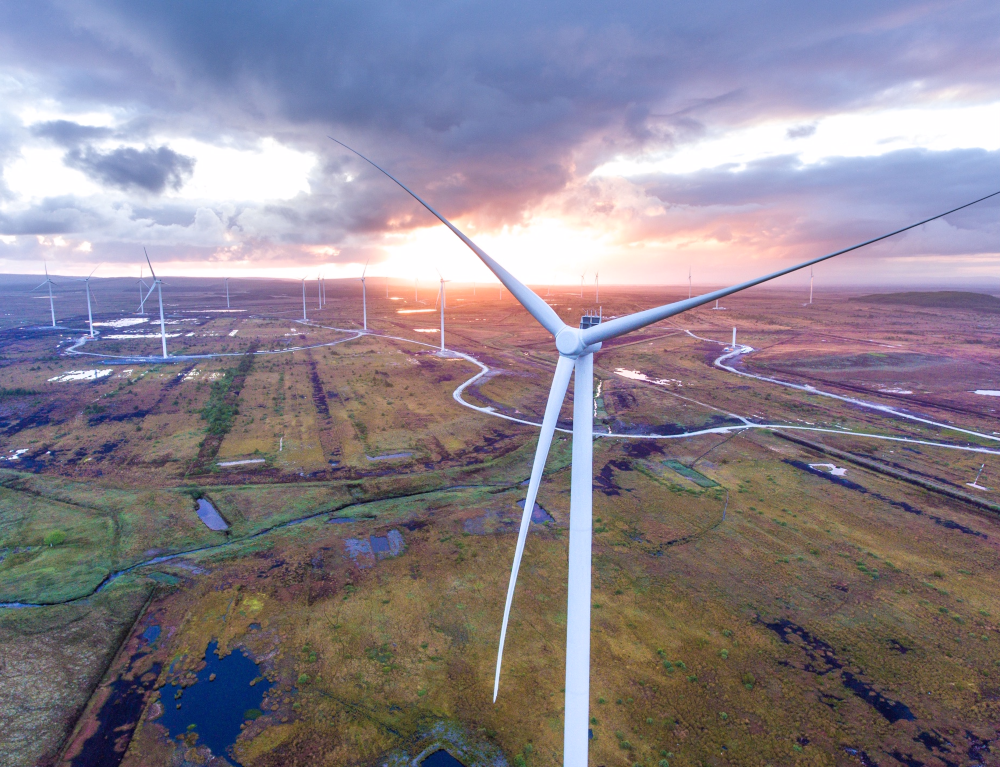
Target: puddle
<point x="388" y="456"/>
<point x="538" y="514"/>
<point x="151" y="634"/>
<point x="81" y="375"/>
<point x="341" y="520"/>
<point x="823" y="660"/>
<point x="244" y="462"/>
<point x="834" y="470"/>
<point x="213" y="519"/>
<point x="116" y="721"/>
<point x="441" y="758"/>
<point x="216" y="708"/>
<point x="365" y="551"/>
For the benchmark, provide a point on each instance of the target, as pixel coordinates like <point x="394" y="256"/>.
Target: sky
<point x="639" y="141"/>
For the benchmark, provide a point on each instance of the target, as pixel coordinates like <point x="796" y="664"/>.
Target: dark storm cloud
<point x="783" y="204"/>
<point x="50" y="217"/>
<point x="151" y="170"/>
<point x="489" y="109"/>
<point x="69" y="134"/>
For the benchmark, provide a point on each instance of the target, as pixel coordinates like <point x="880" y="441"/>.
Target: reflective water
<point x="216" y="708"/>
<point x="213" y="519"/>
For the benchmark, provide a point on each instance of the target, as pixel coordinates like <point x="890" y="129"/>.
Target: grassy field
<point x="748" y="607"/>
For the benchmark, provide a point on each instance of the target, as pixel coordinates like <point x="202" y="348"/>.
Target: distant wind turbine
<point x="319" y="291"/>
<point x="581" y="283"/>
<point x="810" y="286"/>
<point x="157" y="286"/>
<point x="364" y="298"/>
<point x="441" y="299"/>
<point x="227" y="293"/>
<point x="576" y="347"/>
<point x="90" y="314"/>
<point x="50" y="283"/>
<point x="304" y="317"/>
<point x="597" y="287"/>
<point x="689" y="282"/>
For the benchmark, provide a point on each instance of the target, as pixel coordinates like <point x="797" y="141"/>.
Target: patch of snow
<point x="125" y="322"/>
<point x="834" y="470"/>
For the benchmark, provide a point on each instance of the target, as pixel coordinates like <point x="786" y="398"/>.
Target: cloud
<point x="68" y="133"/>
<point x="496" y="113"/>
<point x="150" y="170"/>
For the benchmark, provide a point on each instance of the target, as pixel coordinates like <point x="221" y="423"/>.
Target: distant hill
<point x="940" y="299"/>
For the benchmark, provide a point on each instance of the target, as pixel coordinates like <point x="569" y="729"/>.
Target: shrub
<point x="54" y="537"/>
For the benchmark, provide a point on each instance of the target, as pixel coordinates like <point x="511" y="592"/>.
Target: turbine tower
<point x="304" y="318"/>
<point x="689" y="282"/>
<point x="597" y="287"/>
<point x="90" y="315"/>
<point x="157" y="285"/>
<point x="810" y="286"/>
<point x="50" y="283"/>
<point x="576" y="347"/>
<point x="441" y="298"/>
<point x="227" y="293"/>
<point x="364" y="298"/>
<point x="581" y="283"/>
<point x="319" y="291"/>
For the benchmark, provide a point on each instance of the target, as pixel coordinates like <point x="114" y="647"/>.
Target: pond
<point x="210" y="516"/>
<point x="441" y="758"/>
<point x="538" y="515"/>
<point x="218" y="703"/>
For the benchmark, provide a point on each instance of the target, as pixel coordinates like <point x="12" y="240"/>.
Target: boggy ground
<point x="824" y="620"/>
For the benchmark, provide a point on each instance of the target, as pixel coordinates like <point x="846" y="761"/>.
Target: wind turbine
<point x="50" y="283"/>
<point x="581" y="283"/>
<point x="142" y="298"/>
<point x="157" y="285"/>
<point x="364" y="298"/>
<point x="810" y="286"/>
<point x="90" y="315"/>
<point x="415" y="300"/>
<point x="597" y="287"/>
<point x="576" y="347"/>
<point x="689" y="282"/>
<point x="227" y="293"/>
<point x="304" y="318"/>
<point x="319" y="291"/>
<point x="441" y="298"/>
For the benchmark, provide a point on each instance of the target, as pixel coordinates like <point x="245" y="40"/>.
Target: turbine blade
<point x="622" y="325"/>
<point x="149" y="263"/>
<point x="560" y="382"/>
<point x="40" y="286"/>
<point x="151" y="289"/>
<point x="365" y="269"/>
<point x="535" y="306"/>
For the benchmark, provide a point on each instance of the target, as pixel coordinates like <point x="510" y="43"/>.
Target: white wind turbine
<point x="90" y="314"/>
<point x="50" y="283"/>
<point x="227" y="293"/>
<point x="319" y="291"/>
<point x="689" y="282"/>
<point x="304" y="317"/>
<point x="597" y="287"/>
<point x="576" y="347"/>
<point x="157" y="286"/>
<point x="364" y="298"/>
<point x="441" y="298"/>
<point x="581" y="283"/>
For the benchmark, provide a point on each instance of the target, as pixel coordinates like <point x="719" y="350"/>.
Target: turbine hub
<point x="569" y="343"/>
